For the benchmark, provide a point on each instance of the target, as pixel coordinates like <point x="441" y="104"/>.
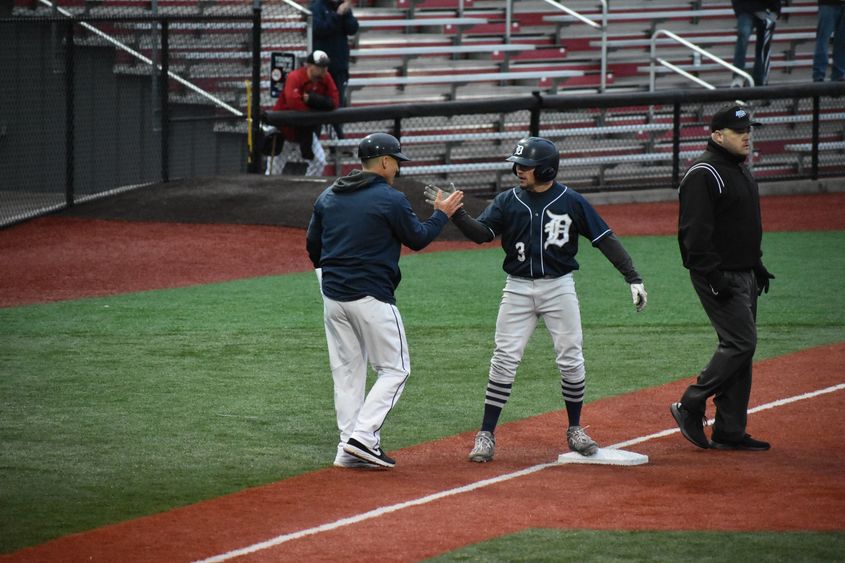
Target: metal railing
<point x="602" y="28"/>
<point x="696" y="49"/>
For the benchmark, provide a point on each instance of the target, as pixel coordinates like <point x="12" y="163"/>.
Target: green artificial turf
<point x="542" y="545"/>
<point x="112" y="408"/>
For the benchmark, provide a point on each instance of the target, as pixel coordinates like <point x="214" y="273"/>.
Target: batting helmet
<point x="380" y="144"/>
<point x="537" y="153"/>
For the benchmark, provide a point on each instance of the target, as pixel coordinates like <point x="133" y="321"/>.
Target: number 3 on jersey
<point x="520" y="251"/>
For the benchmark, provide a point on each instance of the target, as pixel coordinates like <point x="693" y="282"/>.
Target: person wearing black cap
<point x="354" y="239"/>
<point x="308" y="88"/>
<point x="720" y="235"/>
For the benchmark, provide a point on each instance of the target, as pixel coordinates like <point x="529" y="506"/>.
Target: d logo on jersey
<point x="557" y="229"/>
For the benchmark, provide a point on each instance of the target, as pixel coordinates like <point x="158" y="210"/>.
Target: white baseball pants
<point x="357" y="333"/>
<point x="290" y="150"/>
<point x="524" y="301"/>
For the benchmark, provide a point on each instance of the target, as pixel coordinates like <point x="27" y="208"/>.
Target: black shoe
<point x="745" y="443"/>
<point x="691" y="425"/>
<point x="359" y="450"/>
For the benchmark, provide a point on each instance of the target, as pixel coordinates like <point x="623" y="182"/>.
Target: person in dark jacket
<point x="333" y="23"/>
<point x="760" y="15"/>
<point x="354" y="239"/>
<point x="720" y="236"/>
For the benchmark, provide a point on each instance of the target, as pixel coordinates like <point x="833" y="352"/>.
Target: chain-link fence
<point x="103" y="96"/>
<point x="607" y="142"/>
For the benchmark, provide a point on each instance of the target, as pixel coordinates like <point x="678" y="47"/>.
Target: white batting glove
<point x="319" y="272"/>
<point x="639" y="296"/>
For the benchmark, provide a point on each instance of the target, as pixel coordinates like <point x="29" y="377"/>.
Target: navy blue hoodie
<point x="356" y="233"/>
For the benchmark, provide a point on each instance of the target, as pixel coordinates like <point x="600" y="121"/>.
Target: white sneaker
<point x="485" y="447"/>
<point x="343" y="459"/>
<point x="580" y="442"/>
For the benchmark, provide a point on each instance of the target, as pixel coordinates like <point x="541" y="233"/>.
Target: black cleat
<point x="359" y="450"/>
<point x="691" y="425"/>
<point x="746" y="443"/>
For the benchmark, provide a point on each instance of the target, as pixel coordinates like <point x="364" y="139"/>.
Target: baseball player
<point x="540" y="222"/>
<point x="354" y="238"/>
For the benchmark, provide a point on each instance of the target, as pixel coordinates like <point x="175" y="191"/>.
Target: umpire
<point x="720" y="234"/>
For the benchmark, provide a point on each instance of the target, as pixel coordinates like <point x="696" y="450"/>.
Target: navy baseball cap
<point x="734" y="117"/>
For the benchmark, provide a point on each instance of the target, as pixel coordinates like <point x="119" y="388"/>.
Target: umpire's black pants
<point x="727" y="377"/>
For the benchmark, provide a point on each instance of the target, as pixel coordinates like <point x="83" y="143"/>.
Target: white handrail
<point x="695" y="48"/>
<point x="602" y="29"/>
<point x="303" y="10"/>
<point x="145" y="60"/>
<point x="309" y="29"/>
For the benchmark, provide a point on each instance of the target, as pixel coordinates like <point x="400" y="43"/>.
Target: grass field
<point x="117" y="407"/>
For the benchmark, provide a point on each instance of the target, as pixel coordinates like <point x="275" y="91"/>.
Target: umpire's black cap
<point x="735" y="117"/>
<point x="380" y="144"/>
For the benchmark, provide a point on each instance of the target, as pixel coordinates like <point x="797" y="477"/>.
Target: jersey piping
<point x="703" y="165"/>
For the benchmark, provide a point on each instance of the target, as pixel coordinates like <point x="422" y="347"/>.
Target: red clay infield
<point x="329" y="514"/>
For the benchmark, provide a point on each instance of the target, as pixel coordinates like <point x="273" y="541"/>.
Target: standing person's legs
<point x="562" y="316"/>
<point x="731" y="399"/>
<point x="734" y="322"/>
<point x="316" y="165"/>
<point x="277" y="165"/>
<point x="762" y="51"/>
<point x="515" y="324"/>
<point x="824" y="29"/>
<point x="744" y="23"/>
<point x="560" y="311"/>
<point x="838" y="70"/>
<point x="348" y="362"/>
<point x="341" y="78"/>
<point x="382" y="332"/>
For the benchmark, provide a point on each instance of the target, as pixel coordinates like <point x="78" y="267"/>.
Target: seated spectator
<point x="308" y="88"/>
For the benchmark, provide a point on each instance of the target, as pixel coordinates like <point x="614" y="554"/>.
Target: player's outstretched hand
<point x="431" y="192"/>
<point x="449" y="205"/>
<point x="639" y="295"/>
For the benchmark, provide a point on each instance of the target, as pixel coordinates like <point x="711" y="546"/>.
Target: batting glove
<point x="319" y="272"/>
<point x="431" y="192"/>
<point x="639" y="295"/>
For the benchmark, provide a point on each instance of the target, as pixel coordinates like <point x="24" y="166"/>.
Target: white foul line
<point x="278" y="540"/>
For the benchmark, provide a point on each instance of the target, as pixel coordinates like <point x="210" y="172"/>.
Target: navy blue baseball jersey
<point x="540" y="230"/>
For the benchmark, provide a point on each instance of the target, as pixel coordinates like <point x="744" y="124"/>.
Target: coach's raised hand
<point x="449" y="205"/>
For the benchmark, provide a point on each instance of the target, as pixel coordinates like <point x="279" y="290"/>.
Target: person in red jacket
<point x="308" y="88"/>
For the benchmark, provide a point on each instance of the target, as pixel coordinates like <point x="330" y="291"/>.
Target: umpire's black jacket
<point x="719" y="226"/>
